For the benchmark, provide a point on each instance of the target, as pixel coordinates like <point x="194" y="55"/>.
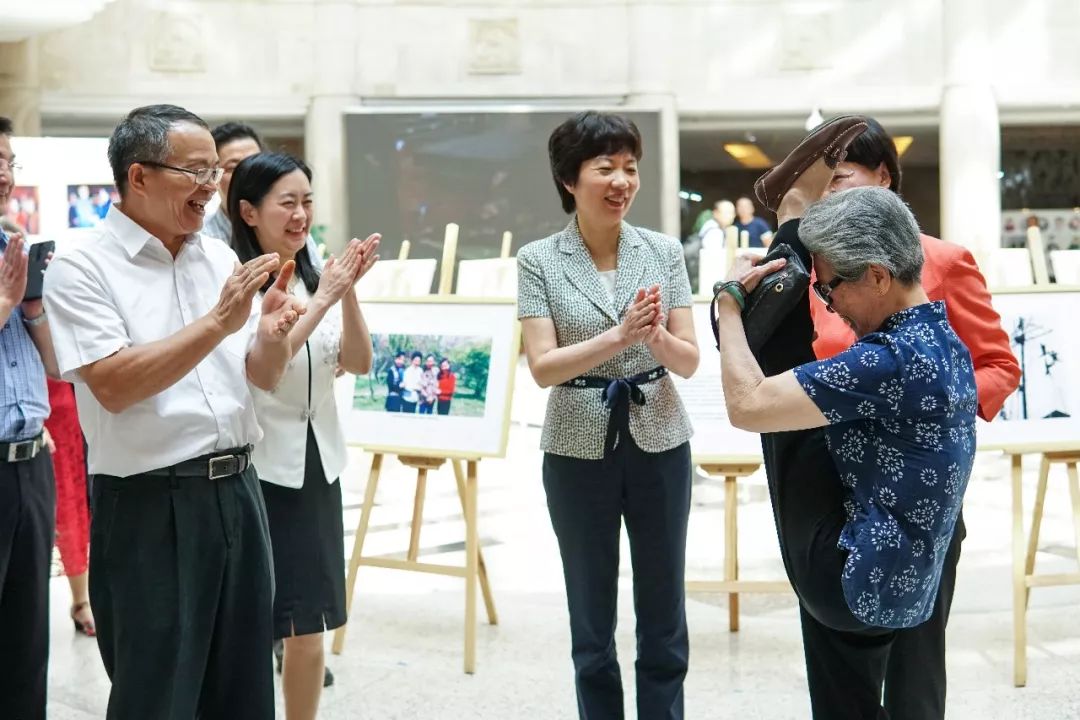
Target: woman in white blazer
<point x="303" y="451"/>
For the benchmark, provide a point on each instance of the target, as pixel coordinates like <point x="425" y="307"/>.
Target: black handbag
<point x="772" y="299"/>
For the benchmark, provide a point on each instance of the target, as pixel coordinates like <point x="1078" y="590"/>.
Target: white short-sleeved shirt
<point x="121" y="287"/>
<point x="305" y="393"/>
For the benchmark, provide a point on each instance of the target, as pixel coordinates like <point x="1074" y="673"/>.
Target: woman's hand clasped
<point x="340" y="275"/>
<point x="643" y="318"/>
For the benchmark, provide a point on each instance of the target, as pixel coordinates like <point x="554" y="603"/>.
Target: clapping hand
<point x="234" y="306"/>
<point x="13" y="267"/>
<point x="280" y="310"/>
<point x="643" y="317"/>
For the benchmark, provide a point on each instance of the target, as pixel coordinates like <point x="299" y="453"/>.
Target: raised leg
<point x="358" y="547"/>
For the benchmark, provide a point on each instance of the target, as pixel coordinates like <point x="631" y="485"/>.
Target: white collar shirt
<point x="121" y="287"/>
<point x="304" y="395"/>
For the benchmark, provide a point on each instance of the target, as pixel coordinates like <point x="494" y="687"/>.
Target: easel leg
<point x="485" y="586"/>
<point x="731" y="546"/>
<point x="417" y="514"/>
<point x="1036" y="522"/>
<point x="1074" y="493"/>
<point x="358" y="547"/>
<point x="1019" y="581"/>
<point x="472" y="547"/>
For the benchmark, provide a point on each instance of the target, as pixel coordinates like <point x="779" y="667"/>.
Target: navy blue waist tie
<point x="617" y="395"/>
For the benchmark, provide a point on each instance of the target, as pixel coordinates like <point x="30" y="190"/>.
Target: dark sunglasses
<point x="824" y="291"/>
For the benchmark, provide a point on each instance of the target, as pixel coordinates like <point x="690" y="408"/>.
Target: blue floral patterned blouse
<point x="901" y="408"/>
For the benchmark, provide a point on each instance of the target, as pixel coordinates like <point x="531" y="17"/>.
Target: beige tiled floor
<point x="404" y="653"/>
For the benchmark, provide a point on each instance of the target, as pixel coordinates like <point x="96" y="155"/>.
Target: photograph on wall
<point x="441" y="379"/>
<point x="429" y="375"/>
<point x="22" y="209"/>
<point x="1041" y="328"/>
<point x="88" y="204"/>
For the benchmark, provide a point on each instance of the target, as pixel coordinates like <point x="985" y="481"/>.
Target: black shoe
<point x="279" y="653"/>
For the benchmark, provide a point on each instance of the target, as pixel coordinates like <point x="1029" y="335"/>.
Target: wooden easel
<point x="731" y="471"/>
<point x="474" y="571"/>
<point x="1024" y="549"/>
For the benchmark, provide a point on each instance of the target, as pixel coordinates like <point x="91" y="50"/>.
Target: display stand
<point x="731" y="469"/>
<point x="474" y="571"/>
<point x="1024" y="548"/>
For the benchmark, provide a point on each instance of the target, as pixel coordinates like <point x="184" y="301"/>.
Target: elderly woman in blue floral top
<point x="868" y="453"/>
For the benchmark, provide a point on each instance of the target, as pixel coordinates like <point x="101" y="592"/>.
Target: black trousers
<point x="588" y="501"/>
<point x="27" y="530"/>
<point x="181" y="585"/>
<point x="915" y="676"/>
<point x="846" y="660"/>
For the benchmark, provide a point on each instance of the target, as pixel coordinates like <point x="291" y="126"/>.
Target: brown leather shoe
<point x="829" y="140"/>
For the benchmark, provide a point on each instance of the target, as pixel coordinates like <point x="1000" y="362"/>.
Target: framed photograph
<point x="88" y="204"/>
<point x="22" y="209"/>
<point x="441" y="380"/>
<point x="398" y="279"/>
<point x="1041" y="324"/>
<point x="487" y="278"/>
<point x="714" y="440"/>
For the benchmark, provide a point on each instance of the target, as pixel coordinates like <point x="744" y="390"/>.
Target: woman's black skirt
<point x="308" y="539"/>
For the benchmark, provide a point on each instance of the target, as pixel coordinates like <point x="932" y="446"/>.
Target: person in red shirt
<point x="447" y="384"/>
<point x="915" y="676"/>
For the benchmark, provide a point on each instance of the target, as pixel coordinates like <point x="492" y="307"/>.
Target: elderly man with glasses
<point x="867" y="453"/>
<point x="160" y="331"/>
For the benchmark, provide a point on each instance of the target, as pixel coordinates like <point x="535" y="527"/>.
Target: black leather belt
<point x="213" y="466"/>
<point x="23" y="450"/>
<point x="617" y="395"/>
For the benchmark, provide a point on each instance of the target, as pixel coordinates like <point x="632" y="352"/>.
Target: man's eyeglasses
<point x="824" y="291"/>
<point x="10" y="165"/>
<point x="203" y="176"/>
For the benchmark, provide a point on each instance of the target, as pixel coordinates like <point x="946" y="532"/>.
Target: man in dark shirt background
<point x="761" y="234"/>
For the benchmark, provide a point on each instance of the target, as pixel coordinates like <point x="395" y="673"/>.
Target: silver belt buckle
<point x="20" y="451"/>
<point x="223" y="466"/>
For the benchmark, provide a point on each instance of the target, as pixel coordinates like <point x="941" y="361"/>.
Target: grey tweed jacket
<point x="557" y="279"/>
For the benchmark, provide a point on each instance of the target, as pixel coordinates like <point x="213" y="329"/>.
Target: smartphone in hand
<point x="35" y="270"/>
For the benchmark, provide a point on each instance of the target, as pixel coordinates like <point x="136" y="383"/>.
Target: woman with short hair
<point x="605" y="311"/>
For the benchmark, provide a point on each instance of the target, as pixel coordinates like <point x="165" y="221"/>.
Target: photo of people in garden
<point x="436" y="375"/>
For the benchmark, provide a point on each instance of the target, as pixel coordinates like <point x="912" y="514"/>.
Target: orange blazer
<point x="949" y="274"/>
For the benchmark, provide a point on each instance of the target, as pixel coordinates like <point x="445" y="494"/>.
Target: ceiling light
<point x="902" y="142"/>
<point x="747" y="155"/>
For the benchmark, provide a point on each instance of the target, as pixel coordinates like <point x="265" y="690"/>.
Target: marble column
<point x="650" y="88"/>
<point x="20" y="89"/>
<point x="970" y="132"/>
<point x="335" y="69"/>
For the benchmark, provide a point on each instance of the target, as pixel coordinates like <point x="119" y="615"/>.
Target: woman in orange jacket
<point x="915" y="676"/>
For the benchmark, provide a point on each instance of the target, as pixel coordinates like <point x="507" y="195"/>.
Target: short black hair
<point x="400" y="353"/>
<point x="226" y="133"/>
<point x="417" y="355"/>
<point x="144" y="136"/>
<point x="587" y="135"/>
<point x="873" y="147"/>
<point x="6" y="128"/>
<point x="251" y="181"/>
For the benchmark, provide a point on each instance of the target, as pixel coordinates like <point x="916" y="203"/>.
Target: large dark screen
<point x="409" y="174"/>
